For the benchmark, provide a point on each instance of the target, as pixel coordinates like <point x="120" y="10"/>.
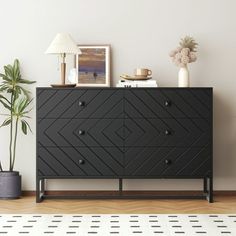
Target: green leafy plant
<point x="16" y="100"/>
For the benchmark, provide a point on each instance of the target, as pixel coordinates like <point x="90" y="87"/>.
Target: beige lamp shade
<point x="63" y="44"/>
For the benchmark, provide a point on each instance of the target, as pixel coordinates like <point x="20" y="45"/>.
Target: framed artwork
<point x="93" y="65"/>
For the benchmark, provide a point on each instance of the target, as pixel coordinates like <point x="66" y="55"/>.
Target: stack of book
<point x="136" y="83"/>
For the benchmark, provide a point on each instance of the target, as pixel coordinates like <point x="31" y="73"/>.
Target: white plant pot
<point x="183" y="79"/>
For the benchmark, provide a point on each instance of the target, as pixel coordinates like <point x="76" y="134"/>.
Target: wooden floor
<point x="222" y="204"/>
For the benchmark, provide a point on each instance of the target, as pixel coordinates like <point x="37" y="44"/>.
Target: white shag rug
<point x="118" y="224"/>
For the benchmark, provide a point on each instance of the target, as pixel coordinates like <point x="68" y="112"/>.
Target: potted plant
<point x="15" y="99"/>
<point x="182" y="56"/>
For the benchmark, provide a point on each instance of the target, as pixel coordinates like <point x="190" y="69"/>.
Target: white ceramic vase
<point x="183" y="79"/>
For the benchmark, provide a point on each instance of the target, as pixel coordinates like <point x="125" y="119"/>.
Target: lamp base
<point x="63" y="85"/>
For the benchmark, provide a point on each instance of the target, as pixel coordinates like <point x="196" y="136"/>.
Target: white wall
<point x="141" y="32"/>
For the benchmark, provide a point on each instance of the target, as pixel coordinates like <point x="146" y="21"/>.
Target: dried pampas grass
<point x="185" y="53"/>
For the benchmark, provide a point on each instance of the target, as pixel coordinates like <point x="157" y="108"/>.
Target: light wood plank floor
<point x="222" y="204"/>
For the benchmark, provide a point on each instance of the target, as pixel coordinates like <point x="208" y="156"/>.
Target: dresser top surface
<point x="118" y="88"/>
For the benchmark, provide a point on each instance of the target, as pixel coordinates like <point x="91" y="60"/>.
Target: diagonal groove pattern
<point x="64" y="137"/>
<point x="125" y="132"/>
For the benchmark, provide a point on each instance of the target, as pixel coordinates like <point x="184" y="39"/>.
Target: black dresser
<point x="124" y="133"/>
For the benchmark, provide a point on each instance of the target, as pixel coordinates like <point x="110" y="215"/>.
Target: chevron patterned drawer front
<point x="169" y="162"/>
<point x="166" y="132"/>
<point x="81" y="132"/>
<point x="168" y="103"/>
<point x="79" y="103"/>
<point x="125" y="133"/>
<point x="80" y="161"/>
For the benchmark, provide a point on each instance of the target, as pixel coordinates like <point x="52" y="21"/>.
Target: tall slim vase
<point x="183" y="78"/>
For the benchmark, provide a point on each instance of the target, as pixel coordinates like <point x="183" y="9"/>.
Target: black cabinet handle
<point x="167" y="132"/>
<point x="168" y="162"/>
<point x="81" y="103"/>
<point x="167" y="103"/>
<point x="81" y="132"/>
<point x="81" y="162"/>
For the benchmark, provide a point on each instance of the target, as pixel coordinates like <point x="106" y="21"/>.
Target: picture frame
<point x="93" y="66"/>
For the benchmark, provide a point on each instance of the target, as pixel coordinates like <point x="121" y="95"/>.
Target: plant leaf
<point x="24" y="81"/>
<point x="4" y="77"/>
<point x="5" y="104"/>
<point x="9" y="71"/>
<point x="20" y="105"/>
<point x="25" y="91"/>
<point x="24" y="127"/>
<point x="4" y="87"/>
<point x="4" y="98"/>
<point x="27" y="125"/>
<point x="25" y="116"/>
<point x="16" y="70"/>
<point x="6" y="122"/>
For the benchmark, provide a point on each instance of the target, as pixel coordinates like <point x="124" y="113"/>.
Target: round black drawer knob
<point x="81" y="162"/>
<point x="81" y="103"/>
<point x="81" y="132"/>
<point x="167" y="103"/>
<point x="167" y="132"/>
<point x="168" y="162"/>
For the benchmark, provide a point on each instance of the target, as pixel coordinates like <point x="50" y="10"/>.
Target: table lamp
<point x="63" y="44"/>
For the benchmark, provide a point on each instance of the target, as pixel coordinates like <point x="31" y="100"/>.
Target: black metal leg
<point x="205" y="185"/>
<point x="120" y="186"/>
<point x="210" y="189"/>
<point x="39" y="187"/>
<point x="42" y="186"/>
<point x="210" y="192"/>
<point x="38" y="198"/>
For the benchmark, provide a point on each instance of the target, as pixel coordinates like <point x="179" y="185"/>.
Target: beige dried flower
<point x="185" y="59"/>
<point x="178" y="49"/>
<point x="188" y="42"/>
<point x="185" y="51"/>
<point x="192" y="57"/>
<point x="178" y="55"/>
<point x="177" y="61"/>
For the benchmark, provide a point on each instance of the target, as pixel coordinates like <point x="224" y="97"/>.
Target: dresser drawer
<point x="79" y="103"/>
<point x="166" y="132"/>
<point x="168" y="162"/>
<point x="168" y="103"/>
<point x="86" y="162"/>
<point x="80" y="132"/>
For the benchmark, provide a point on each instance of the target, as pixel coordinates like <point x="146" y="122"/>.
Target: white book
<point x="151" y="81"/>
<point x="137" y="83"/>
<point x="126" y="85"/>
<point x="131" y="85"/>
<point x="147" y="85"/>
